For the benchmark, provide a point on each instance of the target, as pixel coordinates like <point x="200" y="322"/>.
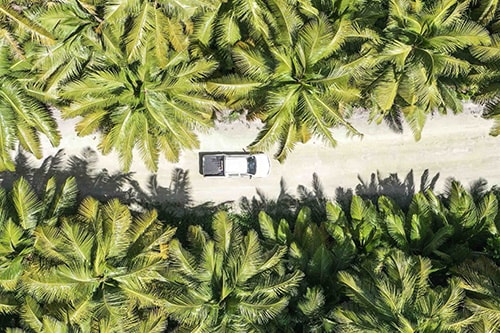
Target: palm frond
<point x="233" y="87"/>
<point x="116" y="222"/>
<point x="31" y="314"/>
<point x="89" y="210"/>
<point x="26" y="203"/>
<point x="49" y="242"/>
<point x="489" y="52"/>
<point x="63" y="198"/>
<point x="287" y="19"/>
<point x="79" y="241"/>
<point x="35" y="30"/>
<point x="50" y="287"/>
<point x="223" y="232"/>
<point x="136" y="37"/>
<point x="461" y="35"/>
<point x="227" y="32"/>
<point x="7" y="139"/>
<point x="204" y="26"/>
<point x="183" y="260"/>
<point x="155" y="322"/>
<point x="251" y="63"/>
<point x="415" y="117"/>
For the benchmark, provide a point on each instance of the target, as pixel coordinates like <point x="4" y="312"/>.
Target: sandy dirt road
<point x="455" y="146"/>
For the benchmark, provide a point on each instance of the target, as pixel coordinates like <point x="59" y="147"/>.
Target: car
<point x="234" y="164"/>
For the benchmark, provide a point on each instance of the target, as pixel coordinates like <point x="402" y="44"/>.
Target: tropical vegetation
<point x="146" y="76"/>
<point x="85" y="251"/>
<point x="364" y="261"/>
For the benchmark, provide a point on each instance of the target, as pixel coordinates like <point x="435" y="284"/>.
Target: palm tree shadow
<point x="286" y="205"/>
<point x="99" y="184"/>
<point x="394" y="120"/>
<point x="401" y="191"/>
<point x="174" y="203"/>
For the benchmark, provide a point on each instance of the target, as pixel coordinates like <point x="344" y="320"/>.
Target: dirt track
<point x="455" y="146"/>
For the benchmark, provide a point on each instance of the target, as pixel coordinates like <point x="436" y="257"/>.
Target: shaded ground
<point x="454" y="146"/>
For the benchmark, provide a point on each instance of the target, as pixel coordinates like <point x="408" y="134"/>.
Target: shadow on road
<point x="173" y="203"/>
<point x="100" y="184"/>
<point x="287" y="205"/>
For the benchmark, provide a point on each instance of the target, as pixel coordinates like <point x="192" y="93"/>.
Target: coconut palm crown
<point x="228" y="282"/>
<point x="297" y="88"/>
<point x="415" y="67"/>
<point x="23" y="117"/>
<point x="97" y="270"/>
<point x="140" y="105"/>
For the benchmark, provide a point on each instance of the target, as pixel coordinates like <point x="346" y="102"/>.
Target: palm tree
<point x="311" y="250"/>
<point x="219" y="25"/>
<point x="297" y="88"/>
<point x="356" y="231"/>
<point x="227" y="282"/>
<point x="416" y="232"/>
<point x="393" y="295"/>
<point x="98" y="270"/>
<point x="23" y="117"/>
<point x="415" y="66"/>
<point x="447" y="229"/>
<point x="77" y="28"/>
<point x="89" y="33"/>
<point x="139" y="105"/>
<point x="486" y="78"/>
<point x="21" y="211"/>
<point x="481" y="280"/>
<point x="473" y="220"/>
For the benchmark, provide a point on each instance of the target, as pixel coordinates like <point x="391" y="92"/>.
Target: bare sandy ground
<point x="454" y="145"/>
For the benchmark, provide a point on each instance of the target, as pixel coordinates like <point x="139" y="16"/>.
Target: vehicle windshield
<point x="251" y="165"/>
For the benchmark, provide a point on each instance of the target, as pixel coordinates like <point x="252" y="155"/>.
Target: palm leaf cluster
<point x="380" y="267"/>
<point x="229" y="282"/>
<point x="364" y="266"/>
<point x="418" y="65"/>
<point x="160" y="70"/>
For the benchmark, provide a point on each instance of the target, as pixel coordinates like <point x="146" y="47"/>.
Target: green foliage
<point x="142" y="106"/>
<point x="227" y="282"/>
<point x="147" y="75"/>
<point x="373" y="267"/>
<point x="17" y="26"/>
<point x="481" y="280"/>
<point x="304" y="90"/>
<point x="23" y="117"/>
<point x="21" y="212"/>
<point x="99" y="269"/>
<point x="417" y="64"/>
<point x="298" y="65"/>
<point x="393" y="293"/>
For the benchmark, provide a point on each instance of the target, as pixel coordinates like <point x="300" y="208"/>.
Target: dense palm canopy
<point x="299" y="66"/>
<point x="103" y="265"/>
<point x="481" y="280"/>
<point x="395" y="295"/>
<point x="17" y="26"/>
<point x="21" y="212"/>
<point x="23" y="117"/>
<point x="146" y="75"/>
<point x="365" y="265"/>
